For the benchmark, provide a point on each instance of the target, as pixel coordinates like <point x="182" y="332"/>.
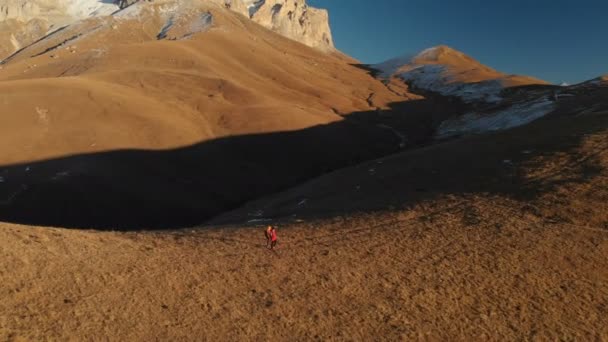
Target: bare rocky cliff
<point x="22" y="22"/>
<point x="293" y="19"/>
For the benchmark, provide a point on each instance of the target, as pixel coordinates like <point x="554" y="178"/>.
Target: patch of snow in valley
<point x="517" y="115"/>
<point x="259" y="220"/>
<point x="60" y="175"/>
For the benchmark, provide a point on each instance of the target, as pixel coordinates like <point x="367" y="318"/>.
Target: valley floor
<point x="432" y="272"/>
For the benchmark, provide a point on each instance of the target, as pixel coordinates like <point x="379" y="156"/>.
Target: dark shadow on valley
<point x="183" y="187"/>
<point x="141" y="189"/>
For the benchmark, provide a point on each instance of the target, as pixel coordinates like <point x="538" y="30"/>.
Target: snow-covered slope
<point x="449" y="72"/>
<point x="515" y="115"/>
<point x="599" y="81"/>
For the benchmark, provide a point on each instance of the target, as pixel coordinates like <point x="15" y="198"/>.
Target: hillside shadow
<point x="141" y="189"/>
<point x="367" y="68"/>
<point x="183" y="187"/>
<point x="523" y="164"/>
<point x="416" y="120"/>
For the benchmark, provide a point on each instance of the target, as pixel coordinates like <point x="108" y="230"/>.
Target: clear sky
<point x="555" y="40"/>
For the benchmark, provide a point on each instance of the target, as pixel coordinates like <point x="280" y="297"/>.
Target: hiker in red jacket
<point x="267" y="235"/>
<point x="272" y="236"/>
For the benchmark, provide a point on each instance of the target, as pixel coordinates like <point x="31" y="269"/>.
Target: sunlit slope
<point x="108" y="83"/>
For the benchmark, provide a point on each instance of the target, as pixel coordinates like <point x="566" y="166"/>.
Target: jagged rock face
<point x="29" y="20"/>
<point x="23" y="22"/>
<point x="291" y="18"/>
<point x="296" y="20"/>
<point x="56" y="12"/>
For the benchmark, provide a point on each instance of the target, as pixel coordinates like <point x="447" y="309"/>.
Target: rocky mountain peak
<point x="291" y="18"/>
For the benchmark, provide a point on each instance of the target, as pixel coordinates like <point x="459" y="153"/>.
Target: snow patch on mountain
<point x="449" y="72"/>
<point x="390" y="67"/>
<point x="436" y="78"/>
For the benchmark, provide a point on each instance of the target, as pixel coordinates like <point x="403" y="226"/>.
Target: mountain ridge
<point x="291" y="18"/>
<point x="450" y="72"/>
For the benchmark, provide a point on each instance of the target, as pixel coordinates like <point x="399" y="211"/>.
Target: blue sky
<point x="555" y="40"/>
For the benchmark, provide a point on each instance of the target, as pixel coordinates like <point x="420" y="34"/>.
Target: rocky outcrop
<point x="291" y="18"/>
<point x="55" y="12"/>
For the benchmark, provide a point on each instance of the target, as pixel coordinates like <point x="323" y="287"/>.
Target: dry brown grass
<point x="238" y="78"/>
<point x="421" y="274"/>
<point x="500" y="237"/>
<point x="500" y="263"/>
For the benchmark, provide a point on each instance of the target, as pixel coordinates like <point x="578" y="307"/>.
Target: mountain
<point x="492" y="99"/>
<point x="291" y="18"/>
<point x="23" y="22"/>
<point x="15" y="34"/>
<point x="191" y="92"/>
<point x="600" y="80"/>
<point x="449" y="72"/>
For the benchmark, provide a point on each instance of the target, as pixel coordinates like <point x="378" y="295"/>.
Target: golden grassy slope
<point x="430" y="276"/>
<point x="483" y="261"/>
<point x="237" y="78"/>
<point x="500" y="236"/>
<point x="183" y="129"/>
